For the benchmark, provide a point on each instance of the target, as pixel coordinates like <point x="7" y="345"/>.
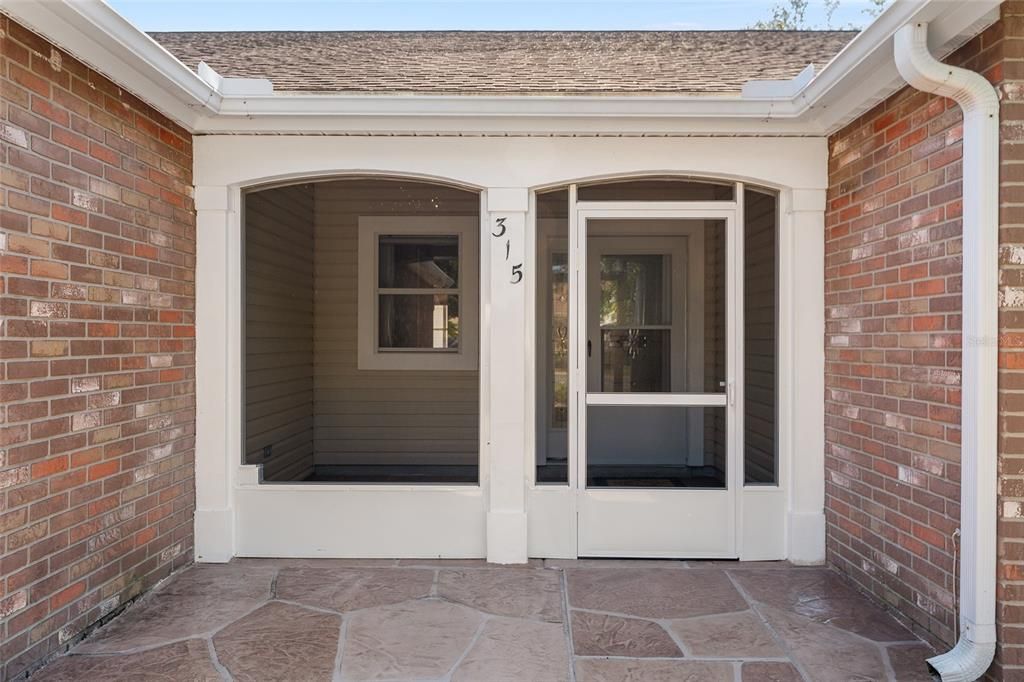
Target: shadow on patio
<point x="291" y="619"/>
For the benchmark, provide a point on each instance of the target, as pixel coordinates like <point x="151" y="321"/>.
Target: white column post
<point x="505" y="230"/>
<point x="214" y="519"/>
<point x="806" y="251"/>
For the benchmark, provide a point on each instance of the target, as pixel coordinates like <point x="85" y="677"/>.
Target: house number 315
<point x="500" y="231"/>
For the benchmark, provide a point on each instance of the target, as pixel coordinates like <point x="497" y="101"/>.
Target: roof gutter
<point x="96" y="34"/>
<point x="974" y="650"/>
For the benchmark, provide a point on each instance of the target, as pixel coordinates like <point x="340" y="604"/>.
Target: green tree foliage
<point x="791" y="15"/>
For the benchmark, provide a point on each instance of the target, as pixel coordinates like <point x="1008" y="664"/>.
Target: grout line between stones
<point x="631" y="616"/>
<point x="476" y="636"/>
<point x="340" y="652"/>
<point x="215" y="659"/>
<point x="666" y="625"/>
<point x="754" y="606"/>
<point x="563" y="583"/>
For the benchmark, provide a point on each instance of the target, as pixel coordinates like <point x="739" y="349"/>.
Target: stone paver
<point x="349" y="589"/>
<point x="653" y="592"/>
<point x="464" y="621"/>
<point x="416" y="639"/>
<point x="640" y="670"/>
<point x="739" y="634"/>
<point x="602" y="634"/>
<point x="822" y="596"/>
<point x="505" y="592"/>
<point x="280" y="642"/>
<point x="769" y="671"/>
<point x="201" y="600"/>
<point x="514" y="650"/>
<point x="907" y="662"/>
<point x="188" y="660"/>
<point x="826" y="653"/>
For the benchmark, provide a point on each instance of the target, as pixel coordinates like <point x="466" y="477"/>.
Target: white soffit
<point x="812" y="103"/>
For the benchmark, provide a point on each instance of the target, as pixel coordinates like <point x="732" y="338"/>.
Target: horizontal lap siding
<point x="381" y="417"/>
<point x="715" y="351"/>
<point x="279" y="330"/>
<point x="98" y="347"/>
<point x="759" y="342"/>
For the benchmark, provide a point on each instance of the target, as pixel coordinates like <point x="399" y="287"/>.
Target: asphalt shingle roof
<point x="525" y="62"/>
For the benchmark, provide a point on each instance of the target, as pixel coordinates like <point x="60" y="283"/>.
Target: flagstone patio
<point x="280" y="619"/>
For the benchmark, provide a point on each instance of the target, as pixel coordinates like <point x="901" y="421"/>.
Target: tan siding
<point x="381" y="417"/>
<point x="715" y="310"/>
<point x="759" y="332"/>
<point x="279" y="330"/>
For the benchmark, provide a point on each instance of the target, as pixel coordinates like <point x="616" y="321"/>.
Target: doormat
<point x="638" y="482"/>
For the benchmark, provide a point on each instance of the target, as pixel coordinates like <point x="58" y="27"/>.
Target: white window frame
<point x="370" y="357"/>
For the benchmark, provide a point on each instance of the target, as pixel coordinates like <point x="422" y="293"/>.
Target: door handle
<point x="730" y="393"/>
<point x="588" y="347"/>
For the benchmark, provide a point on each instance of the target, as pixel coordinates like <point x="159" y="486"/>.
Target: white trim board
<point x="370" y="357"/>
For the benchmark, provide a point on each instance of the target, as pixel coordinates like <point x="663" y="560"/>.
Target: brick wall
<point x="893" y="285"/>
<point x="1010" y="82"/>
<point x="98" y="255"/>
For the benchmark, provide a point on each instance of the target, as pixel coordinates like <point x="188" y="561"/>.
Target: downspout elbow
<point x="965" y="662"/>
<point x="922" y="71"/>
<point x="974" y="651"/>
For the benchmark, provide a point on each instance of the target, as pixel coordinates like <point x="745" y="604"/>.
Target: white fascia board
<point x="93" y="32"/>
<point x="859" y="76"/>
<point x="607" y="106"/>
<point x="506" y="124"/>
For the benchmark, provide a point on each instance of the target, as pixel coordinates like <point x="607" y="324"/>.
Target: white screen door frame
<point x="654" y="522"/>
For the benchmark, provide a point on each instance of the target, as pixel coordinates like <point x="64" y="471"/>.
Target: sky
<point x="396" y="15"/>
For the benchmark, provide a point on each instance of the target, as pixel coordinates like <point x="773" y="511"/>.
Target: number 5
<point x="517" y="273"/>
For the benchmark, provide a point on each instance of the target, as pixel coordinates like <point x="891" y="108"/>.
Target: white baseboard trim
<point x="506" y="537"/>
<point x="214" y="536"/>
<point x="807" y="538"/>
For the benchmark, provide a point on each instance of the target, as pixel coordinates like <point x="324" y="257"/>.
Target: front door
<point x="651" y="428"/>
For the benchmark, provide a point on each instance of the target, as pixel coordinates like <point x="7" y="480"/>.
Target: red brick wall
<point x="892" y="374"/>
<point x="1010" y="590"/>
<point x="98" y="255"/>
<point x="893" y="283"/>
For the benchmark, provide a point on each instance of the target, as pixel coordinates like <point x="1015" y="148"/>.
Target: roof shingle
<point x="500" y="62"/>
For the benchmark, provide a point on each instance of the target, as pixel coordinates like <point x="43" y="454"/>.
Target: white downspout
<point x="973" y="653"/>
